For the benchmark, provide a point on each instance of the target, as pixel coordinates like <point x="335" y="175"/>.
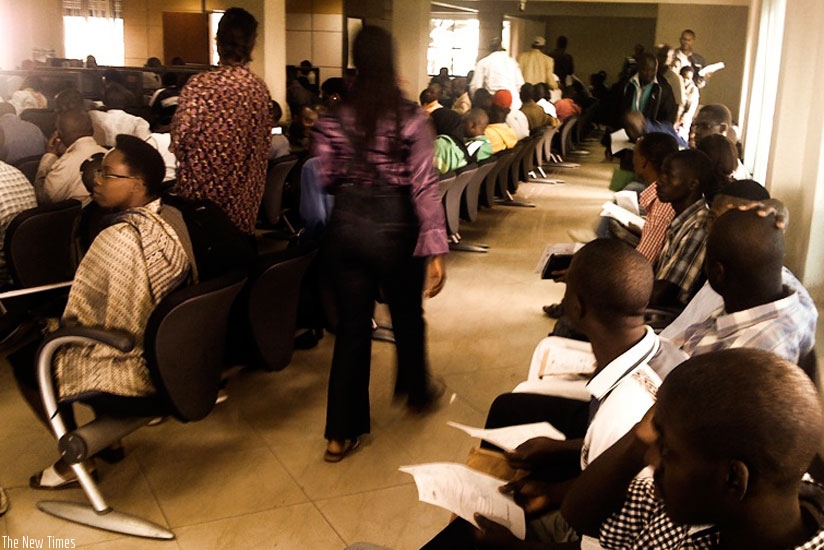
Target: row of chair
<point x="494" y="181"/>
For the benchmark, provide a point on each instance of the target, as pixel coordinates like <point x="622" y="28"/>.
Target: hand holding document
<point x="464" y="492"/>
<point x="510" y="437"/>
<point x="624" y="217"/>
<point x="556" y="257"/>
<point x="619" y="141"/>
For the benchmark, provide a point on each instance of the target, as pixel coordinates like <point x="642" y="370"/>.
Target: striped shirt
<point x="659" y="217"/>
<point x="682" y="258"/>
<point x="16" y="195"/>
<point x="784" y="327"/>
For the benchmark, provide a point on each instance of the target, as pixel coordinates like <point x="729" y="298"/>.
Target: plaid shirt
<point x="682" y="258"/>
<point x="659" y="217"/>
<point x="784" y="327"/>
<point x="643" y="523"/>
<point x="16" y="195"/>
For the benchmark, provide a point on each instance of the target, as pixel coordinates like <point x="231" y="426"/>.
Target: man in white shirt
<point x="108" y="124"/>
<point x="498" y="71"/>
<point x="58" y="176"/>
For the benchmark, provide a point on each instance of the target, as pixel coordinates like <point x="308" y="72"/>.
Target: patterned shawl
<point x="130" y="267"/>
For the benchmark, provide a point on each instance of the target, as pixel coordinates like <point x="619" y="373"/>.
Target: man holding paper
<point x="608" y="286"/>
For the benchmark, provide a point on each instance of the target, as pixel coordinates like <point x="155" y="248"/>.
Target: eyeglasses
<point x="99" y="173"/>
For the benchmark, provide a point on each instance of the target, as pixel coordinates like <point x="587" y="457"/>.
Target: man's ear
<point x="716" y="274"/>
<point x="724" y="128"/>
<point x="738" y="480"/>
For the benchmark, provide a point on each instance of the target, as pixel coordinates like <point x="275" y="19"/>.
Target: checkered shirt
<point x="785" y="327"/>
<point x="642" y="523"/>
<point x="682" y="259"/>
<point x="16" y="195"/>
<point x="659" y="217"/>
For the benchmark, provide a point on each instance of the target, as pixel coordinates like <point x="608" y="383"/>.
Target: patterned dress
<point x="220" y="136"/>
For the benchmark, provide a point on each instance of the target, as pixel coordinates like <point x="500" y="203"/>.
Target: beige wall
<point x="600" y="43"/>
<point x="796" y="157"/>
<point x="28" y="24"/>
<point x="143" y="26"/>
<point x="314" y="31"/>
<point x="721" y="35"/>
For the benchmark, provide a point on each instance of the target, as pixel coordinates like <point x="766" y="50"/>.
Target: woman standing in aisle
<point x="387" y="231"/>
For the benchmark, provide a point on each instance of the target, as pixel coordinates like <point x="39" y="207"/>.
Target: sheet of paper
<point x="464" y="491"/>
<point x="628" y="200"/>
<point x="556" y="248"/>
<point x="612" y="210"/>
<point x="711" y="68"/>
<point x="619" y="141"/>
<point x="555" y="356"/>
<point x="510" y="437"/>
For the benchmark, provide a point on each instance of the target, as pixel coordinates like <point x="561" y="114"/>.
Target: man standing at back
<point x="220" y="132"/>
<point x="536" y="66"/>
<point x="498" y="71"/>
<point x="687" y="54"/>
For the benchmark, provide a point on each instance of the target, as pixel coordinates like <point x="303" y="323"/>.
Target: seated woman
<point x="139" y="258"/>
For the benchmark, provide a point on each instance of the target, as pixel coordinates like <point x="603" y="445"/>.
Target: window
<point x="94" y="27"/>
<point x="453" y="43"/>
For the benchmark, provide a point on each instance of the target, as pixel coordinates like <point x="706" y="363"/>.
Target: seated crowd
<point x="714" y="404"/>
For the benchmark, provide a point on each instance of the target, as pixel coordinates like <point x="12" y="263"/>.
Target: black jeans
<point x="370" y="244"/>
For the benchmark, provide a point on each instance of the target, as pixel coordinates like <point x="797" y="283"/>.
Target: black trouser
<point x="370" y="242"/>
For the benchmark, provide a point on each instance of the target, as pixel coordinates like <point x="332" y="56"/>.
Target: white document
<point x="560" y="249"/>
<point x="464" y="491"/>
<point x="510" y="437"/>
<point x="556" y="356"/>
<point x="624" y="217"/>
<point x="619" y="141"/>
<point x="711" y="68"/>
<point x="628" y="200"/>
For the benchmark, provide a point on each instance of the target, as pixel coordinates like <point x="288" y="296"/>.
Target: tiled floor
<point x="251" y="475"/>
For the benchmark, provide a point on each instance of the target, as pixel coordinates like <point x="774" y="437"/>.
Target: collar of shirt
<point x="728" y="323"/>
<point x="694" y="213"/>
<point x="620" y="367"/>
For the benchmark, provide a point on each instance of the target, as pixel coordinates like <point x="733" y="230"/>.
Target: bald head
<point x="72" y="125"/>
<point x="475" y="122"/>
<point x="6" y="108"/>
<point x="611" y="279"/>
<point x="745" y="253"/>
<point x="747" y="405"/>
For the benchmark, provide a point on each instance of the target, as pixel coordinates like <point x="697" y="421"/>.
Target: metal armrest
<point x="33" y="290"/>
<point x="118" y="339"/>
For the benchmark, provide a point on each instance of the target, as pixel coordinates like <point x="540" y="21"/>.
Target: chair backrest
<point x="566" y="134"/>
<point x="274" y="293"/>
<point x="185" y="344"/>
<point x="39" y="244"/>
<point x="273" y="191"/>
<point x="29" y="166"/>
<point x="45" y="119"/>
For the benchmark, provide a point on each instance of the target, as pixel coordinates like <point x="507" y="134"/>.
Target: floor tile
<point x="300" y="527"/>
<point x="206" y="483"/>
<point x="391" y="517"/>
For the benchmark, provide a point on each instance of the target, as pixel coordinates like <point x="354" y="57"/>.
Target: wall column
<point x="410" y="30"/>
<point x="490" y="23"/>
<point x="274" y="49"/>
<point x="796" y="157"/>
